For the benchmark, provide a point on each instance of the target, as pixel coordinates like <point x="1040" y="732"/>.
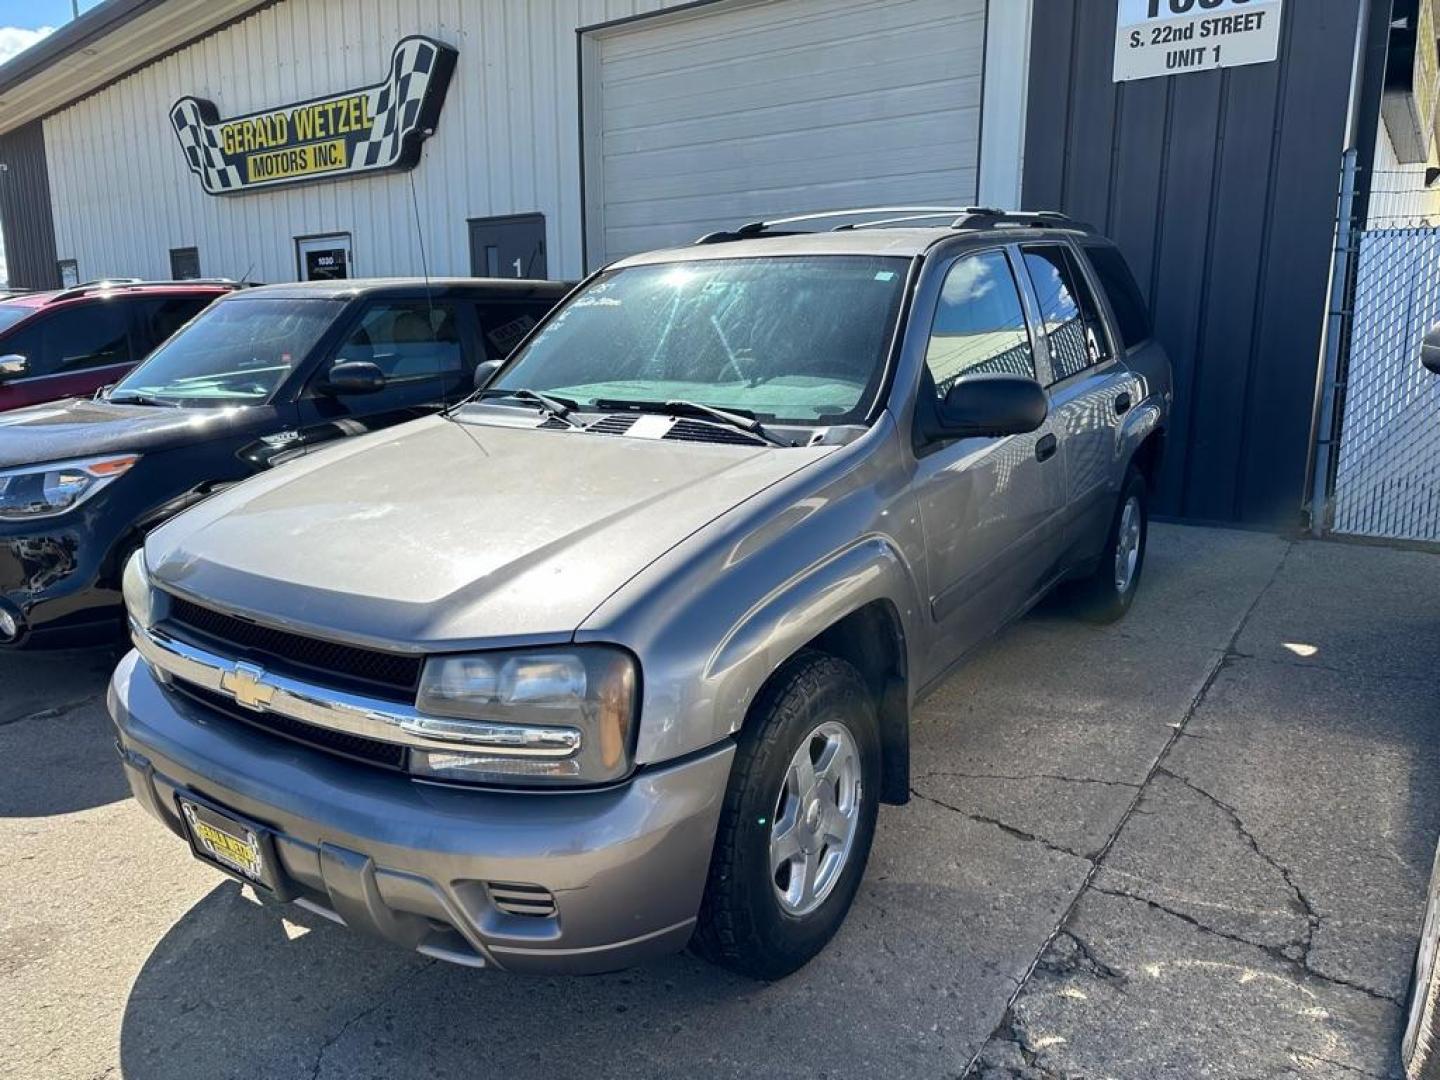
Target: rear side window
<point x="504" y="325"/>
<point x="1074" y="330"/>
<point x="979" y="326"/>
<point x="1132" y="318"/>
<point x="76" y="338"/>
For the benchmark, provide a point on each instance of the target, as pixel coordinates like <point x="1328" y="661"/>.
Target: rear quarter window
<point x="1132" y="317"/>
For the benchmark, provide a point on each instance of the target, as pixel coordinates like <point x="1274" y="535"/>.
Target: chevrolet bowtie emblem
<point x="248" y="686"/>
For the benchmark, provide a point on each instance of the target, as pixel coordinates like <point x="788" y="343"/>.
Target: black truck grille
<point x="390" y="675"/>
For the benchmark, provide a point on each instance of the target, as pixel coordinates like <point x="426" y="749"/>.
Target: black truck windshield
<point x="236" y="352"/>
<point x="798" y="340"/>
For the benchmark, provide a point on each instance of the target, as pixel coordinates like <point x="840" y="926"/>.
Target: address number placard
<point x="1154" y="38"/>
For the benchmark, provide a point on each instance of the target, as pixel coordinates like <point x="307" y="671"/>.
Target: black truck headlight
<point x="534" y="716"/>
<point x="40" y="491"/>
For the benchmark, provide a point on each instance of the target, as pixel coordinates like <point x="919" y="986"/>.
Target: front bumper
<point x="51" y="577"/>
<point x="413" y="863"/>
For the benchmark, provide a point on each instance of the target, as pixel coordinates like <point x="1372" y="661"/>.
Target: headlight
<point x="543" y="716"/>
<point x="39" y="491"/>
<point x="139" y="596"/>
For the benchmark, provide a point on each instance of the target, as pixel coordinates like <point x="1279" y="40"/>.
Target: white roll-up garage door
<point x="730" y="112"/>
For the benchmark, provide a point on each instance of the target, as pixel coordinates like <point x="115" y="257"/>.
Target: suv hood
<point x="83" y="427"/>
<point x="440" y="534"/>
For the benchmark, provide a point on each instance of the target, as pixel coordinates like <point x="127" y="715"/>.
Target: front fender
<point x="713" y="620"/>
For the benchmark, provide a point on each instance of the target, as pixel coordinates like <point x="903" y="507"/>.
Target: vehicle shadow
<point x="57" y="746"/>
<point x="241" y="989"/>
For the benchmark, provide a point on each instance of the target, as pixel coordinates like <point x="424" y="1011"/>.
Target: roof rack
<point x="957" y="217"/>
<point x="106" y="284"/>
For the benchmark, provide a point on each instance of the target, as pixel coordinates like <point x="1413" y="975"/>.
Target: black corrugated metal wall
<point x="1221" y="189"/>
<point x="25" y="214"/>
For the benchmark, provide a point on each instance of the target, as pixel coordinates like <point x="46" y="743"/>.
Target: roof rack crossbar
<point x="987" y="217"/>
<point x="958" y="217"/>
<point x="102" y="284"/>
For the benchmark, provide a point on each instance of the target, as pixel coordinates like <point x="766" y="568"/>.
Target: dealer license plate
<point x="225" y="840"/>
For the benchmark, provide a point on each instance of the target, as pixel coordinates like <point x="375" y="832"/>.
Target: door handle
<point x="1122" y="403"/>
<point x="1046" y="447"/>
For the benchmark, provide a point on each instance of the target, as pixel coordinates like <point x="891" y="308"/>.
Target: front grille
<point x="531" y="901"/>
<point x="357" y="747"/>
<point x="700" y="431"/>
<point x="393" y="676"/>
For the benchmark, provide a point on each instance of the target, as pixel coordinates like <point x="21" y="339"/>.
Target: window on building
<point x="1074" y="330"/>
<point x="407" y="339"/>
<point x="185" y="263"/>
<point x="1132" y="318"/>
<point x="76" y="338"/>
<point x="979" y="325"/>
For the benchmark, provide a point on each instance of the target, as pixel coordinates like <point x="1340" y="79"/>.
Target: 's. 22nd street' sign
<point x="1172" y="37"/>
<point x="358" y="131"/>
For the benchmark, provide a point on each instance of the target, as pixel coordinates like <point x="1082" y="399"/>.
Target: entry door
<point x="990" y="506"/>
<point x="508" y="247"/>
<point x="324" y="258"/>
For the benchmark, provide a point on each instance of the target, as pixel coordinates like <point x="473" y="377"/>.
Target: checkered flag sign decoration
<point x="201" y="143"/>
<point x="277" y="146"/>
<point x="396" y="104"/>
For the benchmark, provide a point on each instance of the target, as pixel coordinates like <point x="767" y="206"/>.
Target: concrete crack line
<point x="1301" y="966"/>
<point x="385" y="998"/>
<point x="1307" y="909"/>
<point x="1309" y="1057"/>
<point x="995" y="823"/>
<point x="1026" y="776"/>
<point x="1176" y="732"/>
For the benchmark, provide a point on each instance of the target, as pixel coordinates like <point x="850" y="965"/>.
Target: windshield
<point x="10" y="314"/>
<point x="791" y="340"/>
<point x="234" y="353"/>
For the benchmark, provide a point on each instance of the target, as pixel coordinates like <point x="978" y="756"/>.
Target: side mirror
<point x="354" y="377"/>
<point x="1429" y="351"/>
<point x="13" y="366"/>
<point x="485" y="372"/>
<point x="991" y="405"/>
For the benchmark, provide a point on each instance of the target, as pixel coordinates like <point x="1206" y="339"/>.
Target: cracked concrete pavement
<point x="1193" y="844"/>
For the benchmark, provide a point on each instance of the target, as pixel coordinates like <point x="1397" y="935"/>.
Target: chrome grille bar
<point x="324" y="707"/>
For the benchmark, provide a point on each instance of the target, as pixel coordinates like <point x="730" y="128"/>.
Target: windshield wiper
<point x="554" y="407"/>
<point x="747" y="424"/>
<point x="135" y="397"/>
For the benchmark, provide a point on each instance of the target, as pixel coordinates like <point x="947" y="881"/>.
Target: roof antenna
<point x="425" y="266"/>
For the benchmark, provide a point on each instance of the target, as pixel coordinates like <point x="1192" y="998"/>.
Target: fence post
<point x="1326" y="438"/>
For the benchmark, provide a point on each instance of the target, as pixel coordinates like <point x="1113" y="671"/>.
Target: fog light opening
<point x="11" y="626"/>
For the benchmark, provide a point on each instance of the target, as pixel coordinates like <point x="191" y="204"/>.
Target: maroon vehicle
<point x="70" y="343"/>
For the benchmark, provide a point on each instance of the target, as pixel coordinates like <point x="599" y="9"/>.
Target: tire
<point x="1107" y="594"/>
<point x="1420" y="1046"/>
<point x="767" y="924"/>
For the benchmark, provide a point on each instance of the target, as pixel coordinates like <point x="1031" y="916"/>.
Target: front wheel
<point x="797" y="824"/>
<point x="1420" y="1048"/>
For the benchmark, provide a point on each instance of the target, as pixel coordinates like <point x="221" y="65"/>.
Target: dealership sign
<point x="359" y="131"/>
<point x="1172" y="37"/>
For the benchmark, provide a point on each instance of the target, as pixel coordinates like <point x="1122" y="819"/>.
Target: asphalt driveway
<point x="1191" y="845"/>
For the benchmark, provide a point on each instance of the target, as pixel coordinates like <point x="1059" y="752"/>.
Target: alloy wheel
<point x="1127" y="545"/>
<point x="816" y="818"/>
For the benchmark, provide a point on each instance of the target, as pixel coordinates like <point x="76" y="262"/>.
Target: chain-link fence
<point x="1387" y="473"/>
